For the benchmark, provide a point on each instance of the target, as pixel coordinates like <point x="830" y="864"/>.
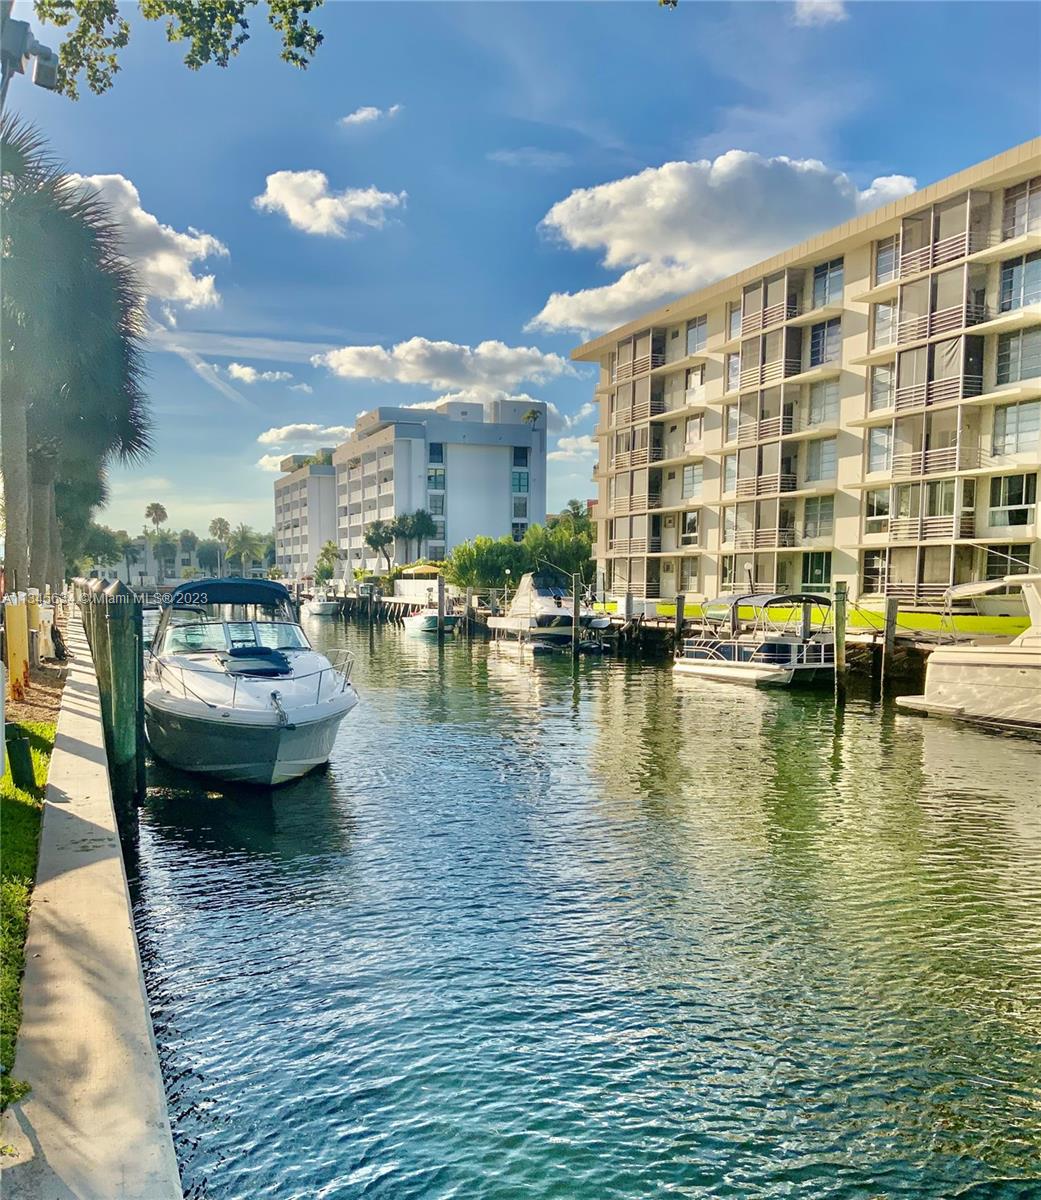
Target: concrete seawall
<point x="95" y="1125"/>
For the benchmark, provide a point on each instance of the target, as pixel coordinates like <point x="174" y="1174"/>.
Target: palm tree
<point x="532" y="417"/>
<point x="423" y="528"/>
<point x="156" y="514"/>
<point x="402" y="527"/>
<point x="71" y="361"/>
<point x="221" y="531"/>
<point x="128" y="548"/>
<point x="378" y="536"/>
<point x="245" y="544"/>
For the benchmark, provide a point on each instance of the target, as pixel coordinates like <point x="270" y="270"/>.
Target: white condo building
<point x="478" y="468"/>
<point x="305" y="512"/>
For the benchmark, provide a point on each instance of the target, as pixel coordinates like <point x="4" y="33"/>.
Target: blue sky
<point x="525" y="159"/>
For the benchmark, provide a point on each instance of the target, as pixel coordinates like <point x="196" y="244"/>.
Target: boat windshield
<point x="199" y="635"/>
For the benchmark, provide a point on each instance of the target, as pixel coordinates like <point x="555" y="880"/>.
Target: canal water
<point x="606" y="935"/>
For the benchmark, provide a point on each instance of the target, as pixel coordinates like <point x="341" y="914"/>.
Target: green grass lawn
<point x="19" y="837"/>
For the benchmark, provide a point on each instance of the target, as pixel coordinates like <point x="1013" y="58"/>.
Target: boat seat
<point x="255" y="660"/>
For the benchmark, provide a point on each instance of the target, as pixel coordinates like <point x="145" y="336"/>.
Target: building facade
<point x="478" y="469"/>
<point x="305" y="512"/>
<point x="863" y="407"/>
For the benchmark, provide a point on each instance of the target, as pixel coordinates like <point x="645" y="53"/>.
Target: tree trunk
<point x="15" y="445"/>
<point x="57" y="558"/>
<point x="40" y="567"/>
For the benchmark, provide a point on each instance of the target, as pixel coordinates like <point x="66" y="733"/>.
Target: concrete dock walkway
<point x="95" y="1125"/>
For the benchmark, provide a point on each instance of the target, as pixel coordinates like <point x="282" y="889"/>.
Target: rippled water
<point x="619" y="935"/>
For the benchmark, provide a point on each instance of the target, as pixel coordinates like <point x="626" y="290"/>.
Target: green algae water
<point x="609" y="934"/>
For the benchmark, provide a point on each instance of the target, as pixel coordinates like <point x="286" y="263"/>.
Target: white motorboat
<point x="425" y="621"/>
<point x="320" y="605"/>
<point x="234" y="690"/>
<point x="994" y="684"/>
<point x="781" y="646"/>
<point x="542" y="610"/>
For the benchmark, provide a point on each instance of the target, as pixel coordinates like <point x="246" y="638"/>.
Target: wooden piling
<point x="677" y="631"/>
<point x="126" y="685"/>
<point x="440" y="608"/>
<point x="889" y="637"/>
<point x="576" y="613"/>
<point x="468" y="616"/>
<point x="839" y="617"/>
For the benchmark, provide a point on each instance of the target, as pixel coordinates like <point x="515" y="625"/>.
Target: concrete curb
<point x="95" y="1125"/>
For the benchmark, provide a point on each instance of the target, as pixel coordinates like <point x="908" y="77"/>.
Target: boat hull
<point x="322" y="608"/>
<point x="427" y="623"/>
<point x="995" y="686"/>
<point x="261" y="754"/>
<point x="754" y="674"/>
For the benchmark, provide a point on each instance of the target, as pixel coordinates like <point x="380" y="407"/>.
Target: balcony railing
<point x="638" y="458"/>
<point x="643" y="409"/>
<point x="937" y="462"/>
<point x="764" y="539"/>
<point x="639" y="366"/>
<point x="625" y="504"/>
<point x="945" y="320"/>
<point x="650" y="590"/>
<point x="912" y="529"/>
<point x="907" y="593"/>
<point x="765" y="485"/>
<point x="936" y="391"/>
<point x="773" y="314"/>
<point x="948" y="249"/>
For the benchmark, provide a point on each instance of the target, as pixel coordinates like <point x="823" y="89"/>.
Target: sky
<point x="455" y="195"/>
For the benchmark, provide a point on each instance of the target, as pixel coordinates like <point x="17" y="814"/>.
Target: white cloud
<point x="247" y="374"/>
<point x="579" y="448"/>
<point x="819" y="12"/>
<point x="302" y="387"/>
<point x="164" y="256"/>
<point x="269" y="462"/>
<point x="677" y="227"/>
<point x="369" y="113"/>
<point x="305" y="199"/>
<point x="490" y="364"/>
<point x="559" y="421"/>
<point x="304" y="434"/>
<point x="531" y="156"/>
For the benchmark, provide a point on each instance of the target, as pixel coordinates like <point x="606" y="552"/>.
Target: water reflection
<point x="602" y="933"/>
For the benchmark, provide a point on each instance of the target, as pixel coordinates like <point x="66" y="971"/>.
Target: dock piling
<point x="677" y="636"/>
<point x="576" y="613"/>
<point x="124" y="673"/>
<point x="889" y="637"/>
<point x="440" y="608"/>
<point x="839" y="611"/>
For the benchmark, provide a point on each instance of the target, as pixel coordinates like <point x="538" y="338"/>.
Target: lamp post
<point x="506" y="589"/>
<point x="17" y="47"/>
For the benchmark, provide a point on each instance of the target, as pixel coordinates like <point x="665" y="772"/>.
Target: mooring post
<point x="126" y="685"/>
<point x="576" y="613"/>
<point x="102" y="661"/>
<point x="677" y="634"/>
<point x="839" y="612"/>
<point x="440" y="608"/>
<point x="889" y="637"/>
<point x="469" y="612"/>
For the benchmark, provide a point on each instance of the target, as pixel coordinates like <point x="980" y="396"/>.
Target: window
<point x="520" y="456"/>
<point x="819" y="516"/>
<point x="731" y="418"/>
<point x="1013" y="499"/>
<point x="727" y="571"/>
<point x="1020" y="282"/>
<point x="436" y="452"/>
<point x="873" y="573"/>
<point x="821" y="459"/>
<point x="879" y="442"/>
<point x="939" y="498"/>
<point x="1022" y="211"/>
<point x="883" y="324"/>
<point x="729" y="525"/>
<point x="693" y="476"/>
<point x="1019" y="355"/>
<point x="436" y="504"/>
<point x="734" y="319"/>
<point x="518" y="530"/>
<point x="694" y="430"/>
<point x="689" y="575"/>
<point x="1017" y="427"/>
<point x="729" y="473"/>
<point x="695" y="377"/>
<point x="520" y="481"/>
<point x="824" y="402"/>
<point x="436" y="478"/>
<point x="733" y="372"/>
<point x="697" y="335"/>
<point x="690" y="523"/>
<point x="882" y="389"/>
<point x="816" y="571"/>
<point x="825" y="342"/>
<point x="886" y="252"/>
<point x="520" y="508"/>
<point x="439" y="531"/>
<point x="827" y="283"/>
<point x="876" y="511"/>
<point x="1008" y="560"/>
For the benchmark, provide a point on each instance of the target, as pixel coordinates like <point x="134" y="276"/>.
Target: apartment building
<point x="305" y="511"/>
<point x="864" y="407"/>
<point x="478" y="469"/>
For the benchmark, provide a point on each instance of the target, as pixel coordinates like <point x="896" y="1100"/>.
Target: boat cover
<point x="233" y="590"/>
<point x="255" y="660"/>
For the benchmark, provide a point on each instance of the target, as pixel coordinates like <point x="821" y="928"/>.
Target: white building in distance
<point x="478" y="468"/>
<point x="305" y="511"/>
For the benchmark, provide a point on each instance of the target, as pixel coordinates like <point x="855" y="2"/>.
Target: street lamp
<point x="17" y="46"/>
<point x="507" y="588"/>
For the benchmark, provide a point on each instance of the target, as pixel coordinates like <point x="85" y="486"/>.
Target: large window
<point x="697" y="335"/>
<point x="827" y="283"/>
<point x="1013" y="559"/>
<point x="693" y="476"/>
<point x="879" y="442"/>
<point x="876" y="510"/>
<point x="520" y="508"/>
<point x="436" y="479"/>
<point x="819" y="517"/>
<point x="826" y="342"/>
<point x="519" y="529"/>
<point x="1019" y="355"/>
<point x="729" y="473"/>
<point x="883" y="324"/>
<point x="690" y="524"/>
<point x="519" y="481"/>
<point x="886" y="256"/>
<point x="821" y="459"/>
<point x="824" y="402"/>
<point x="695" y="377"/>
<point x="882" y="388"/>
<point x="1013" y="500"/>
<point x="439" y="531"/>
<point x="734" y="319"/>
<point x="1022" y="211"/>
<point x="873" y="573"/>
<point x="733" y="372"/>
<point x="520" y="456"/>
<point x="731" y="418"/>
<point x="1020" y="282"/>
<point x="694" y="430"/>
<point x="939" y="498"/>
<point x="729" y="525"/>
<point x="1017" y="427"/>
<point x="816" y="571"/>
<point x="436" y="452"/>
<point x="436" y="504"/>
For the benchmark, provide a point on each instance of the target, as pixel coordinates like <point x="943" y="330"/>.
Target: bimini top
<point x="719" y="610"/>
<point x="234" y="590"/>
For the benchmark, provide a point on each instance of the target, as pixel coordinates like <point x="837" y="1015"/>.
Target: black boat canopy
<point x="719" y="610"/>
<point x="234" y="590"/>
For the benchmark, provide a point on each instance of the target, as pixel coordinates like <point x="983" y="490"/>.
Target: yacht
<point x="541" y="614"/>
<point x="425" y="621"/>
<point x="321" y="605"/>
<point x="233" y="689"/>
<point x="780" y="646"/>
<point x="993" y="684"/>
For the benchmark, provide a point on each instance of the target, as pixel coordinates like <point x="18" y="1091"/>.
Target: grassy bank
<point x="20" y="830"/>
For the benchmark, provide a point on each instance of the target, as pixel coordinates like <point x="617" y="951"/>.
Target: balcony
<point x="639" y="366"/>
<point x="634" y="545"/>
<point x="625" y="504"/>
<point x="937" y="391"/>
<point x="764" y="539"/>
<point x="645" y="591"/>
<point x="946" y="320"/>
<point x="771" y="372"/>
<point x="766" y="485"/>
<point x="637" y="458"/>
<point x="644" y="409"/>
<point x="949" y="249"/>
<point x="907" y="593"/>
<point x="925" y="529"/>
<point x="936" y="462"/>
<point x="763" y="430"/>
<point x="773" y="314"/>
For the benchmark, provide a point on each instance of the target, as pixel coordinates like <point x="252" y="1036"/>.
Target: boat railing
<point x="341" y="665"/>
<point x="807" y="654"/>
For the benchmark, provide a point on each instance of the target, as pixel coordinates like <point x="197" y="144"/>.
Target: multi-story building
<point x="865" y="407"/>
<point x="305" y="511"/>
<point x="477" y="468"/>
